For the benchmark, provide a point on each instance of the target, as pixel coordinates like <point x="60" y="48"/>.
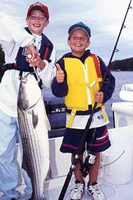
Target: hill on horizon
<point x="122" y="65"/>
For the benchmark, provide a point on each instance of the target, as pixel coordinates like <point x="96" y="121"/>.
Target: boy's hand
<point x="59" y="74"/>
<point x="33" y="57"/>
<point x="99" y="97"/>
<point x="30" y="49"/>
<point x="35" y="60"/>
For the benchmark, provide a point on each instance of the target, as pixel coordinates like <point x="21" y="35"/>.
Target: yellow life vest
<point x="83" y="82"/>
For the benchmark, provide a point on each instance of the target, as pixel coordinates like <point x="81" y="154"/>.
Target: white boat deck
<point x="116" y="172"/>
<point x="111" y="191"/>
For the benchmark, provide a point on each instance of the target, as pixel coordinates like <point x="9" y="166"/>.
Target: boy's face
<point x="78" y="42"/>
<point x="36" y="22"/>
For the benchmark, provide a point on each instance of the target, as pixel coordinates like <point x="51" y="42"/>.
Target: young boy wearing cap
<point x="14" y="39"/>
<point x="79" y="77"/>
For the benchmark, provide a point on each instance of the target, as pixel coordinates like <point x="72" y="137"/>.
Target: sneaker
<point x="96" y="192"/>
<point x="77" y="191"/>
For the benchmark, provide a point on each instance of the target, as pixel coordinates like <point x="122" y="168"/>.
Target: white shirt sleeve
<point x="12" y="37"/>
<point x="12" y="31"/>
<point x="49" y="72"/>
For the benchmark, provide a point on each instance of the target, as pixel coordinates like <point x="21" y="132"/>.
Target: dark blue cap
<point x="80" y="25"/>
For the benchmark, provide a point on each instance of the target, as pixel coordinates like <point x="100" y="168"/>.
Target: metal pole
<point x="75" y="160"/>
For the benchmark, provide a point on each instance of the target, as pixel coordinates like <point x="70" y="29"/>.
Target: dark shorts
<point x="97" y="140"/>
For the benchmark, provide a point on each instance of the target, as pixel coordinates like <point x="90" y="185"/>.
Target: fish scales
<point x="33" y="125"/>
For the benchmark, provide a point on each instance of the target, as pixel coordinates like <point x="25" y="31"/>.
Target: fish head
<point x="29" y="92"/>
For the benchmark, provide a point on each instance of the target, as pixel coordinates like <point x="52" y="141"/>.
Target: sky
<point x="104" y="17"/>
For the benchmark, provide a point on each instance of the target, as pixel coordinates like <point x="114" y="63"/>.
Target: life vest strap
<point x="104" y="113"/>
<point x="70" y="121"/>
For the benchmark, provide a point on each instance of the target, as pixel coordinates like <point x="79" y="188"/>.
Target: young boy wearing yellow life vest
<point x="79" y="77"/>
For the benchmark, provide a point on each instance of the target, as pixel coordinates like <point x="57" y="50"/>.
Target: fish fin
<point x="34" y="119"/>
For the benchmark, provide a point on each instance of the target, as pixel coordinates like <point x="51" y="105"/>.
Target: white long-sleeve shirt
<point x="12" y="37"/>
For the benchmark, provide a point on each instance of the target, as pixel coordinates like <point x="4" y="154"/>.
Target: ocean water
<point x="122" y="77"/>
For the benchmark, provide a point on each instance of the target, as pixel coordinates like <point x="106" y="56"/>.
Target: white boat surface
<point x="116" y="171"/>
<point x="116" y="178"/>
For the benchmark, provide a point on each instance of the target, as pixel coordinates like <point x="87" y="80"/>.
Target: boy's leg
<point x="98" y="141"/>
<point x="94" y="169"/>
<point x="79" y="185"/>
<point x="8" y="168"/>
<point x="70" y="144"/>
<point x="93" y="187"/>
<point x="77" y="171"/>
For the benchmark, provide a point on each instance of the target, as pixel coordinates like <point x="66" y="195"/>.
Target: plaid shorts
<point x="97" y="140"/>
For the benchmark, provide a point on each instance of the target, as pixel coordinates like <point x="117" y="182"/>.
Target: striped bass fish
<point x="33" y="126"/>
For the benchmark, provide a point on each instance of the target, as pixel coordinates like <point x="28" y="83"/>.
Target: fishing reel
<point x="29" y="56"/>
<point x="88" y="162"/>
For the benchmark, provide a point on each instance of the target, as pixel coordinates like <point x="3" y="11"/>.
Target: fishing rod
<point x="115" y="46"/>
<point x="82" y="142"/>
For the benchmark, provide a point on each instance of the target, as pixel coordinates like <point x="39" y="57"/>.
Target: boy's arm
<point x="48" y="71"/>
<point x="59" y="85"/>
<point x="59" y="89"/>
<point x="109" y="83"/>
<point x="13" y="32"/>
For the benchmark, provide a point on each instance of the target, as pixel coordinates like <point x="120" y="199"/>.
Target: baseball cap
<point x="80" y="25"/>
<point x="38" y="6"/>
